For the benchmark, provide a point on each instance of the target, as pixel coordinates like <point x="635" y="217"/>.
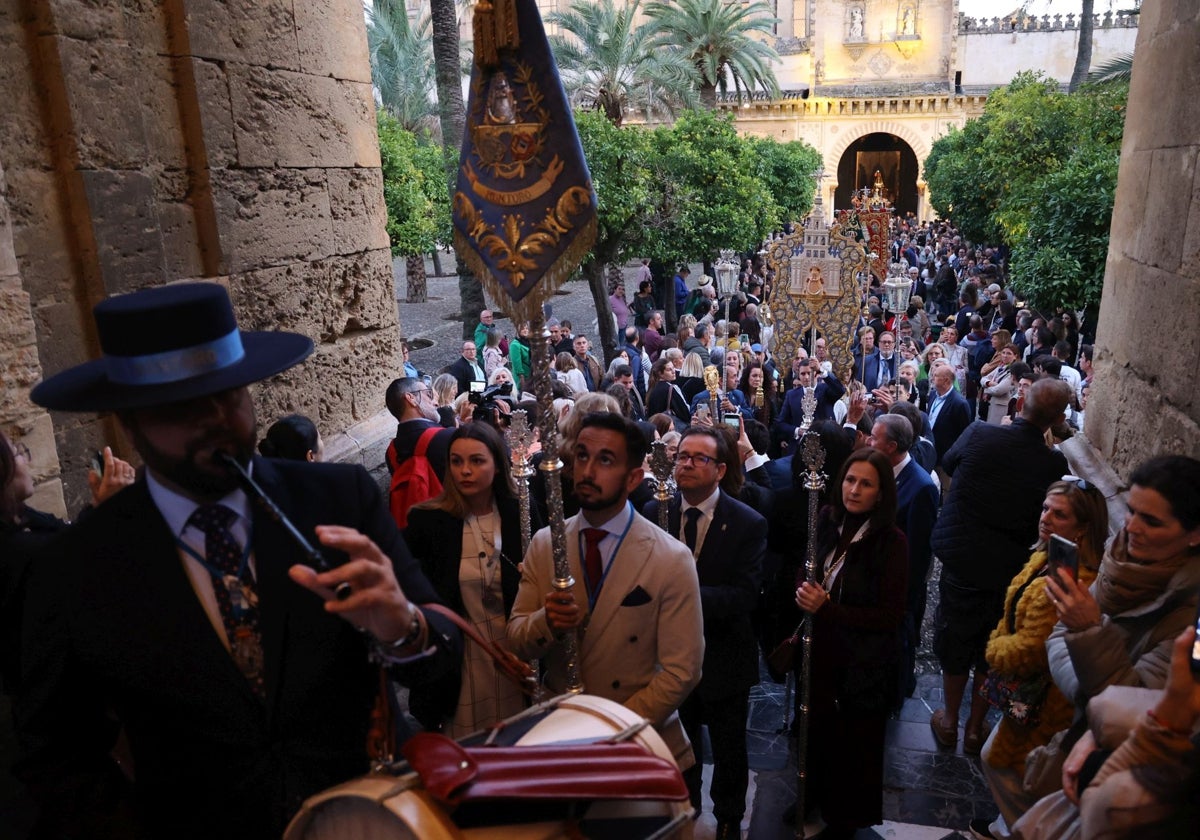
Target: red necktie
<point x="593" y="566"/>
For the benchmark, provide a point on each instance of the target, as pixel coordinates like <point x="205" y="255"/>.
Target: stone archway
<point x="880" y="157"/>
<point x="913" y="147"/>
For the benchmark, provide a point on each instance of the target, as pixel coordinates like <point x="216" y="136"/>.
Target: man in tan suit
<point x="636" y="599"/>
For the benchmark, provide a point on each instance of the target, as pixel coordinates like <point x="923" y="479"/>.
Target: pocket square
<point x="636" y="598"/>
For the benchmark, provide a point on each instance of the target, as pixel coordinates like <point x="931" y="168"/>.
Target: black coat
<point x="730" y="572"/>
<point x="19" y="547"/>
<point x="435" y="539"/>
<point x="856" y="635"/>
<point x="1006" y="466"/>
<point x="663" y="398"/>
<point x="114" y="628"/>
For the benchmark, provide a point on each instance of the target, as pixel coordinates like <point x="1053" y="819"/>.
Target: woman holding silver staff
<point x="468" y="542"/>
<point x="857" y="603"/>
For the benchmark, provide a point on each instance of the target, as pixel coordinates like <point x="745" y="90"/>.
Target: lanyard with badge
<point x="594" y="592"/>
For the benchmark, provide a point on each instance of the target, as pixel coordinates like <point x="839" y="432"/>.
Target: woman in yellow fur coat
<point x="1075" y="511"/>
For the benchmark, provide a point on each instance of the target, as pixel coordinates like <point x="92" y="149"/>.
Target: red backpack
<point x="413" y="481"/>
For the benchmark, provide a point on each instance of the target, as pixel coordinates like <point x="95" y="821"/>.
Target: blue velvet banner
<point x="524" y="207"/>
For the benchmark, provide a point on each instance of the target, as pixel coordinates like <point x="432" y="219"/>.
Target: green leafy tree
<point x="412" y="223"/>
<point x="619" y="160"/>
<point x="1038" y="172"/>
<point x="709" y="195"/>
<point x="1059" y="261"/>
<point x="958" y="187"/>
<point x="452" y="116"/>
<point x="401" y="64"/>
<point x="1027" y="129"/>
<point x="787" y="169"/>
<point x="608" y="62"/>
<point x="721" y="39"/>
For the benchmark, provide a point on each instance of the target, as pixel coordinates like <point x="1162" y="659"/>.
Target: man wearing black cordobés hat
<point x="181" y="613"/>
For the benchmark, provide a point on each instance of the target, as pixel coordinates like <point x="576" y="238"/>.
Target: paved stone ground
<point x="429" y="321"/>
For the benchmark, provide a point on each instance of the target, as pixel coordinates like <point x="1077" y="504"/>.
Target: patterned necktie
<point x="689" y="528"/>
<point x="237" y="597"/>
<point x="592" y="564"/>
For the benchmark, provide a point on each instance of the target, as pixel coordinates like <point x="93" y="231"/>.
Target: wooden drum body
<point x="386" y="806"/>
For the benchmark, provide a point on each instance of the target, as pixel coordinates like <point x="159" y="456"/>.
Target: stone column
<point x="225" y="140"/>
<point x="1144" y="399"/>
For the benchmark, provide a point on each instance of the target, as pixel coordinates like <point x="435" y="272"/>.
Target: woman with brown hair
<point x="468" y="542"/>
<point x="857" y="602"/>
<point x="664" y="395"/>
<point x="569" y="372"/>
<point x="759" y="391"/>
<point x="998" y="386"/>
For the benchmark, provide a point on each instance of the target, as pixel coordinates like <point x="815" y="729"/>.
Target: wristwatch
<point x="394" y="651"/>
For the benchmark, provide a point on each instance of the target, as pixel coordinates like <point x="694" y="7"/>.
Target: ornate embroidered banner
<point x="524" y="206"/>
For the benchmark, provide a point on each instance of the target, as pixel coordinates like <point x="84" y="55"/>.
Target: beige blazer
<point x="644" y="644"/>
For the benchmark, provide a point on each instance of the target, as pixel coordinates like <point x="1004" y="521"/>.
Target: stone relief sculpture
<point x="908" y="22"/>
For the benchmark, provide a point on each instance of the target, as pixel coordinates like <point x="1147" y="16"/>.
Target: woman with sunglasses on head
<point x="1016" y="651"/>
<point x="468" y="541"/>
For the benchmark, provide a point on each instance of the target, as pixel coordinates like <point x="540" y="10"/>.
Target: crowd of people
<point x="167" y="648"/>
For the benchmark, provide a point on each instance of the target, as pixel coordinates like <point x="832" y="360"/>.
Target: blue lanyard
<point x="212" y="570"/>
<point x="595" y="592"/>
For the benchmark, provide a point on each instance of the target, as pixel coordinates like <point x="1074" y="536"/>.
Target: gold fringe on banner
<point x="507" y="37"/>
<point x="484" y="25"/>
<point x="557" y="273"/>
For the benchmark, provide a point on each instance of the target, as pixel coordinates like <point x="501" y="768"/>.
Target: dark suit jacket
<point x="829" y="391"/>
<point x="989" y="463"/>
<point x="435" y="539"/>
<point x="113" y="627"/>
<point x="952" y="420"/>
<point x="664" y="398"/>
<point x="730" y="572"/>
<point x="916" y="510"/>
<point x="461" y="370"/>
<point x="867" y="373"/>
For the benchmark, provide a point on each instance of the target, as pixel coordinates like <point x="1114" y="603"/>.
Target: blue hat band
<point x="176" y="365"/>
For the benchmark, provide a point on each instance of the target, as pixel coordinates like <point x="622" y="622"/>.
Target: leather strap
<point x="510" y="666"/>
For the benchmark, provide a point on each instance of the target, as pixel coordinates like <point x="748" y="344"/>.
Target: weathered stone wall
<point x="20" y="368"/>
<point x="229" y="140"/>
<point x="1144" y="401"/>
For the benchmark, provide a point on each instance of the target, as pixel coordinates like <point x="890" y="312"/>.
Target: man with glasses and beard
<point x="636" y="600"/>
<point x="180" y="611"/>
<point x="414" y="406"/>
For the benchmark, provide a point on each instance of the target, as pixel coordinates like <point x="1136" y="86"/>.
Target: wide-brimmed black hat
<point x="166" y="344"/>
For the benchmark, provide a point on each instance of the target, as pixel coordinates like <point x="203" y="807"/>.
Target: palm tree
<point x="717" y="36"/>
<point x="609" y="64"/>
<point x="401" y="64"/>
<point x="453" y="116"/>
<point x="1119" y="69"/>
<point x="1083" y="56"/>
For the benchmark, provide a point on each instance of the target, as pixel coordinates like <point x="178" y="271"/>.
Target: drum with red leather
<point x="575" y="766"/>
